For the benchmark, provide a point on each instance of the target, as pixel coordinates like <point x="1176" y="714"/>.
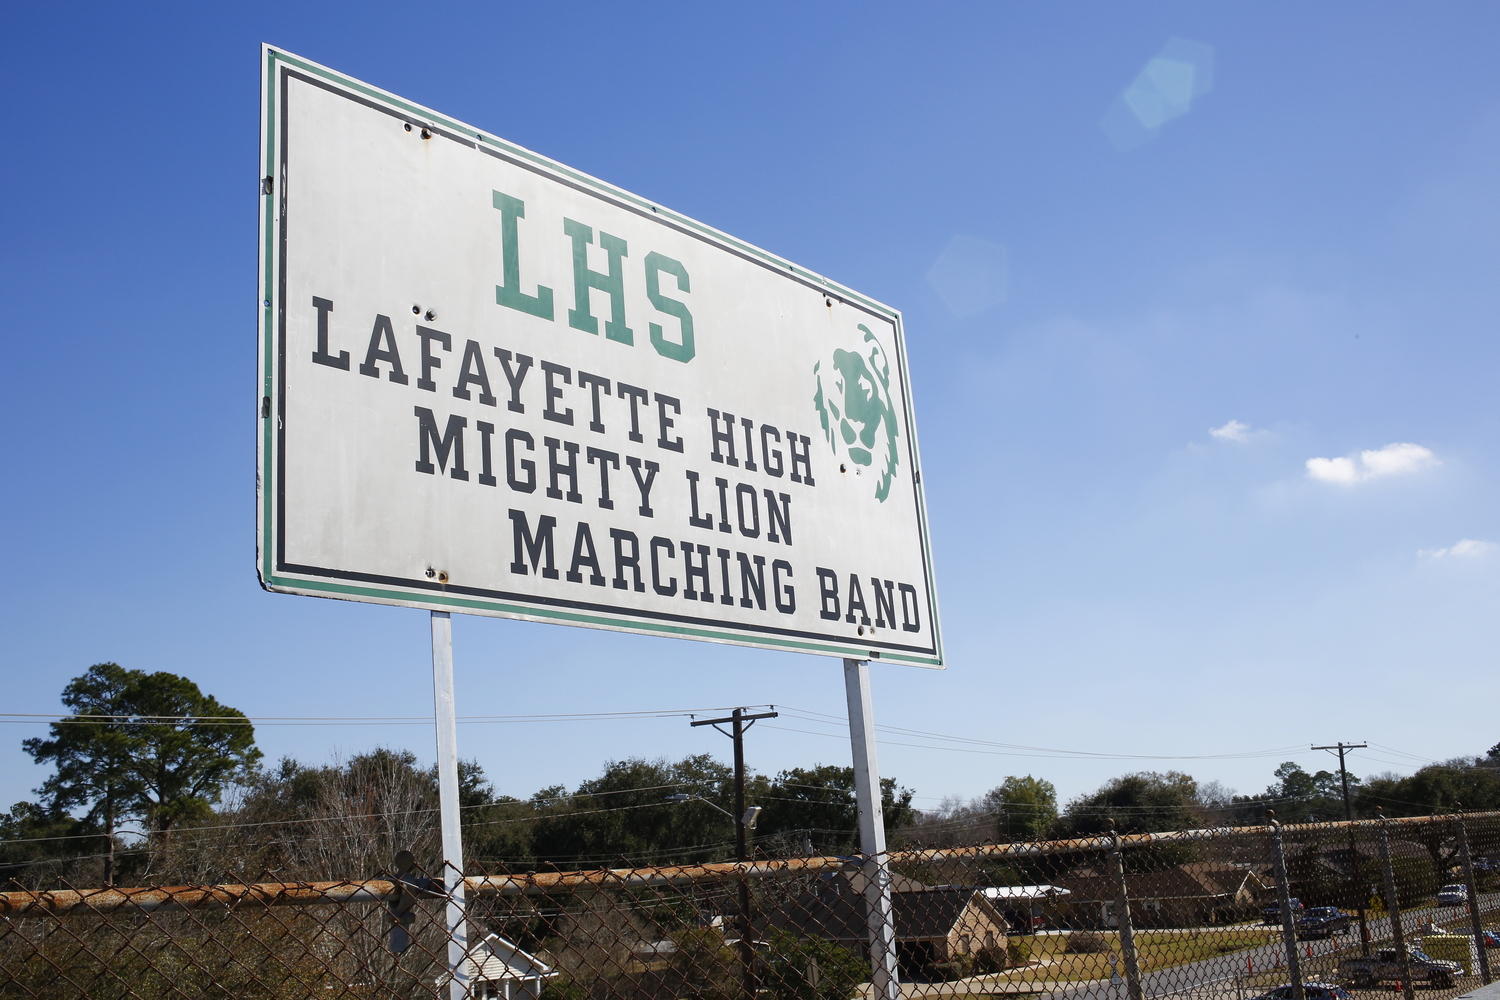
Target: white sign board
<point x="494" y="385"/>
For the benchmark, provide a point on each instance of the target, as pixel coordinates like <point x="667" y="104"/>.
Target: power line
<point x="982" y="748"/>
<point x="1403" y="753"/>
<point x="43" y="718"/>
<point x="818" y="717"/>
<point x="533" y="803"/>
<point x="966" y="744"/>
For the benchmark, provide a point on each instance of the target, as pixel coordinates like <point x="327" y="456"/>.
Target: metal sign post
<point x="446" y="717"/>
<point x="884" y="977"/>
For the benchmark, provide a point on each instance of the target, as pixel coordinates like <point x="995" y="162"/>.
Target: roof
<point x="1226" y="879"/>
<point x="834" y="910"/>
<point x="493" y="959"/>
<point x="1025" y="892"/>
<point x="933" y="913"/>
<point x="1198" y="880"/>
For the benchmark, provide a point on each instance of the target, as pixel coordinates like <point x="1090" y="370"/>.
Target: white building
<point x="1022" y="904"/>
<point x="499" y="969"/>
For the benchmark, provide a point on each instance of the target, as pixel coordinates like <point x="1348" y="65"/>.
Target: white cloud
<point x="1232" y="431"/>
<point x="1333" y="470"/>
<point x="1395" y="459"/>
<point x="1392" y="460"/>
<point x="1466" y="549"/>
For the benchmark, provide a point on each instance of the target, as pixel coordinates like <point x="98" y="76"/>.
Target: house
<point x="1024" y="906"/>
<point x="499" y="969"/>
<point x="1187" y="895"/>
<point x="933" y="923"/>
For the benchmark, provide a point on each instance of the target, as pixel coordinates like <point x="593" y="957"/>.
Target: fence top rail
<point x="378" y="890"/>
<point x="542" y="882"/>
<point x="1036" y="848"/>
<point x="149" y="898"/>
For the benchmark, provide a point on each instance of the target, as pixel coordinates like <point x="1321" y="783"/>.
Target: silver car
<point x="1453" y="894"/>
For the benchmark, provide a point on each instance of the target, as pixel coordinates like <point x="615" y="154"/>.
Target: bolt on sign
<point x="495" y="385"/>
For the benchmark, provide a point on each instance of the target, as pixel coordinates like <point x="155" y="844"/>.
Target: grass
<point x="1157" y="950"/>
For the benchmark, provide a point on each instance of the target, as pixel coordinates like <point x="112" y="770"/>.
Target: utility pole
<point x="1359" y="886"/>
<point x="740" y="722"/>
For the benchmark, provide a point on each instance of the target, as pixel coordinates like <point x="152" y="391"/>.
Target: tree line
<point x="155" y="780"/>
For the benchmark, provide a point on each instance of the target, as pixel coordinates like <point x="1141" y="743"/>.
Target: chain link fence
<point x="1223" y="914"/>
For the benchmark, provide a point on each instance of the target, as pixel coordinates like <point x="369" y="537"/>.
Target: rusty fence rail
<point x="1214" y="914"/>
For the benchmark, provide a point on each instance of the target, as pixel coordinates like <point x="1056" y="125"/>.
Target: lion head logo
<point x="854" y="404"/>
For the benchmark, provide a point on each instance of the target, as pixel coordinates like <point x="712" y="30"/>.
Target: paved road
<point x="1238" y="975"/>
<point x="1224" y="969"/>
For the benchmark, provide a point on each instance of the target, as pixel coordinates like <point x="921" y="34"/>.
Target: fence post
<point x="1474" y="922"/>
<point x="1361" y="892"/>
<point x="1393" y="910"/>
<point x="1284" y="894"/>
<point x="874" y="877"/>
<point x="1122" y="916"/>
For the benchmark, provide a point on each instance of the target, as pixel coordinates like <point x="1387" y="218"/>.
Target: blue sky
<point x="1301" y="257"/>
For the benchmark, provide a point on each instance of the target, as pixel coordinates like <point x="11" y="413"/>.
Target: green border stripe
<point x="501" y="608"/>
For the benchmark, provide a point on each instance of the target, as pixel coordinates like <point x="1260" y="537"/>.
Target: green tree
<point x="1143" y="802"/>
<point x="625" y="813"/>
<point x="811" y="968"/>
<point x="1024" y="807"/>
<point x="36" y="843"/>
<point x="1297" y="797"/>
<point x="817" y="804"/>
<point x="152" y="747"/>
<point x="496" y="828"/>
<point x="1434" y="789"/>
<point x="353" y="816"/>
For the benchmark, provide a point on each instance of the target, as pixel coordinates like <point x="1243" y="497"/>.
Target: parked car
<point x="1310" y="991"/>
<point x="1272" y="913"/>
<point x="1385" y="965"/>
<point x="1453" y="894"/>
<point x="1491" y="939"/>
<point x="1323" y="921"/>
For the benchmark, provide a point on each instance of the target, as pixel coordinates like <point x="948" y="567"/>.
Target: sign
<point x="494" y="385"/>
